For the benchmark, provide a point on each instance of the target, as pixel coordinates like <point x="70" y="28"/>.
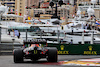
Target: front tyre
<point x="52" y="55"/>
<point x="18" y="55"/>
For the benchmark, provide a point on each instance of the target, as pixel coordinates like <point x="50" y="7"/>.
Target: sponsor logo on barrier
<point x="62" y="47"/>
<point x="62" y="50"/>
<point x="90" y="52"/>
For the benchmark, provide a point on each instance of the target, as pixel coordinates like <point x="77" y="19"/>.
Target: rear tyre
<point x="18" y="56"/>
<point x="52" y="55"/>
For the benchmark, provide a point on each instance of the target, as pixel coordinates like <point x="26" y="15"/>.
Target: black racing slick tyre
<point x="18" y="56"/>
<point x="52" y="55"/>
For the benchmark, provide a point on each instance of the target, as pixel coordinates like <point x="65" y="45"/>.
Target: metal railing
<point x="7" y="48"/>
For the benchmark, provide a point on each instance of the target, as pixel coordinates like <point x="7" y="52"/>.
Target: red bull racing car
<point x="35" y="51"/>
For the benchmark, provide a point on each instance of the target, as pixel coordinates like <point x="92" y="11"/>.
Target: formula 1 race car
<point x="35" y="51"/>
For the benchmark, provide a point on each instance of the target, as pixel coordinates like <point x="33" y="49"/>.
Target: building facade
<point x="79" y="2"/>
<point x="32" y="3"/>
<point x="86" y="4"/>
<point x="15" y="7"/>
<point x="11" y="5"/>
<point x="20" y="9"/>
<point x="65" y="10"/>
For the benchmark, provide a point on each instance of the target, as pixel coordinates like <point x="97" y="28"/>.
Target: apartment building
<point x="66" y="1"/>
<point x="15" y="7"/>
<point x="32" y="3"/>
<point x="61" y="11"/>
<point x="79" y="2"/>
<point x="86" y="4"/>
<point x="20" y="9"/>
<point x="11" y="5"/>
<point x="36" y="3"/>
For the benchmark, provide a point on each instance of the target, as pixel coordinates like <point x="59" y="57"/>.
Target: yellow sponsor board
<point x="90" y="52"/>
<point x="63" y="52"/>
<point x="62" y="47"/>
<point x="90" y="48"/>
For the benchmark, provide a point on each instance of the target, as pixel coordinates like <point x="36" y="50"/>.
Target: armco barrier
<point x="77" y="49"/>
<point x="68" y="49"/>
<point x="7" y="48"/>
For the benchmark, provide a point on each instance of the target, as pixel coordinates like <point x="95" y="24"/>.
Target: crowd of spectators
<point x="92" y="26"/>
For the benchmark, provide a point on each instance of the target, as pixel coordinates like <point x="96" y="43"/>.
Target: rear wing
<point x="35" y="41"/>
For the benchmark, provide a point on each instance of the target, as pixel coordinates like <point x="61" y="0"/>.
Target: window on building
<point x="55" y="0"/>
<point x="13" y="9"/>
<point x="20" y="9"/>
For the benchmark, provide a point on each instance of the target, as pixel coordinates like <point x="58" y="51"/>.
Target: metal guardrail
<point x="7" y="48"/>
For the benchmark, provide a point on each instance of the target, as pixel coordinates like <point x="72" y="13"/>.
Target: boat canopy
<point x="18" y="27"/>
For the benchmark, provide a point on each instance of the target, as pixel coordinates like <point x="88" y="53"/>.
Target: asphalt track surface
<point x="7" y="61"/>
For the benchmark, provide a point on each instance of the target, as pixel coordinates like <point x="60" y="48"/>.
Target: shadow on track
<point x="33" y="62"/>
<point x="44" y="62"/>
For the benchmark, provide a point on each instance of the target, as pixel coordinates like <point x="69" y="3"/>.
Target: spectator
<point x="82" y="25"/>
<point x="93" y="26"/>
<point x="97" y="27"/>
<point x="89" y="27"/>
<point x="86" y="26"/>
<point x="54" y="34"/>
<point x="9" y="33"/>
<point x="19" y="35"/>
<point x="71" y="42"/>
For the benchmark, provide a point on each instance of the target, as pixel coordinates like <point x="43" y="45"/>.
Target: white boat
<point x="72" y="28"/>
